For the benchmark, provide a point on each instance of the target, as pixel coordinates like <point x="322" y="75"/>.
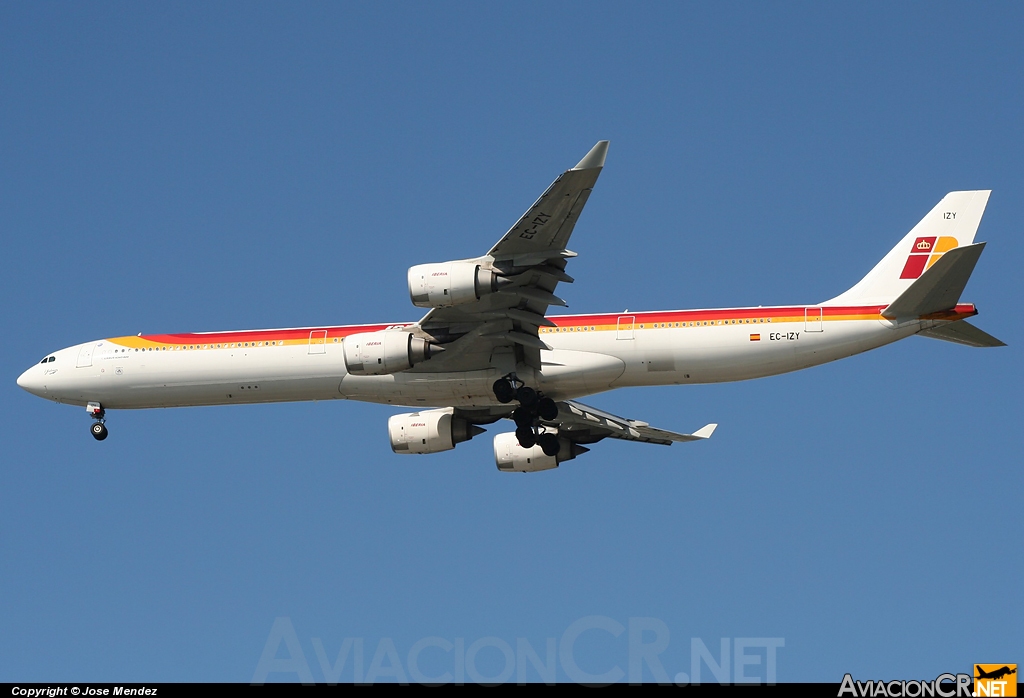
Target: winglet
<point x="595" y="158"/>
<point x="706" y="431"/>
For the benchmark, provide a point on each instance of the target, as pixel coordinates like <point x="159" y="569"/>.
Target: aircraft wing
<point x="531" y="257"/>
<point x="582" y="424"/>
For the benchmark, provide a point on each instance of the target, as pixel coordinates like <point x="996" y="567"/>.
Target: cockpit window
<point x="48" y="359"/>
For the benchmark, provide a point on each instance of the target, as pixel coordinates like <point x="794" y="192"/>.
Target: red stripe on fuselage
<point x="296" y="333"/>
<point x="302" y="333"/>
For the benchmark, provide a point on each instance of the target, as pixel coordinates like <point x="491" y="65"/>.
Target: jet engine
<point x="451" y="283"/>
<point x="513" y="458"/>
<point x="430" y="431"/>
<point x="386" y="351"/>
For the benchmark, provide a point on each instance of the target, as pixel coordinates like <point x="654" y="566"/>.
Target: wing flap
<point x="584" y="424"/>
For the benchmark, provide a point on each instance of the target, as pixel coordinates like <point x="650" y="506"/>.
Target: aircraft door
<point x="318" y="342"/>
<point x="624" y="327"/>
<point x="812" y="320"/>
<point x="85" y="356"/>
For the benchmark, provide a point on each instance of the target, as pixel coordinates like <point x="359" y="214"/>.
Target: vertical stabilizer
<point x="951" y="224"/>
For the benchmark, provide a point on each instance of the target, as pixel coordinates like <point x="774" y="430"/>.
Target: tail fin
<point x="952" y="223"/>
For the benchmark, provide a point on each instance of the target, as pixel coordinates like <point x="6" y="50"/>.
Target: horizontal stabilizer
<point x="963" y="332"/>
<point x="940" y="286"/>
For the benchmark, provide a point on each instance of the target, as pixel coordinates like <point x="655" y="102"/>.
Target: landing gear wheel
<point x="523" y="418"/>
<point x="549" y="444"/>
<point x="504" y="391"/>
<point x="547" y="409"/>
<point x="99" y="431"/>
<point x="527" y="396"/>
<point x="526" y="437"/>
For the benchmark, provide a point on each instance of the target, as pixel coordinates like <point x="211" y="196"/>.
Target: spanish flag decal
<point x="755" y="338"/>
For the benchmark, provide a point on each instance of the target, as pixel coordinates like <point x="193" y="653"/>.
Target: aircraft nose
<point x="31" y="381"/>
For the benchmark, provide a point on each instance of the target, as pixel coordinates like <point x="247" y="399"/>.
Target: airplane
<point x="486" y="349"/>
<point x="995" y="674"/>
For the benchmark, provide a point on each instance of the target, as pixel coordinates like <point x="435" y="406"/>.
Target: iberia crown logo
<point x="995" y="680"/>
<point x="924" y="253"/>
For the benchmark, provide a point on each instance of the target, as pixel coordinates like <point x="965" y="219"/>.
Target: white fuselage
<point x="590" y="354"/>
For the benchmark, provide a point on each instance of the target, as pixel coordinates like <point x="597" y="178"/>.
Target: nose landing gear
<point x="533" y="407"/>
<point x="99" y="427"/>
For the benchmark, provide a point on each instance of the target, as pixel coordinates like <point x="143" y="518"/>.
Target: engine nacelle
<point x="430" y="431"/>
<point x="513" y="458"/>
<point x="387" y="351"/>
<point x="451" y="283"/>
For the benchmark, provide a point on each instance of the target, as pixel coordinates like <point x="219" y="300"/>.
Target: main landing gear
<point x="99" y="427"/>
<point x="533" y="407"/>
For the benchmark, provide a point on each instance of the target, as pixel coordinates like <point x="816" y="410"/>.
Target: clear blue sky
<point x="240" y="165"/>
